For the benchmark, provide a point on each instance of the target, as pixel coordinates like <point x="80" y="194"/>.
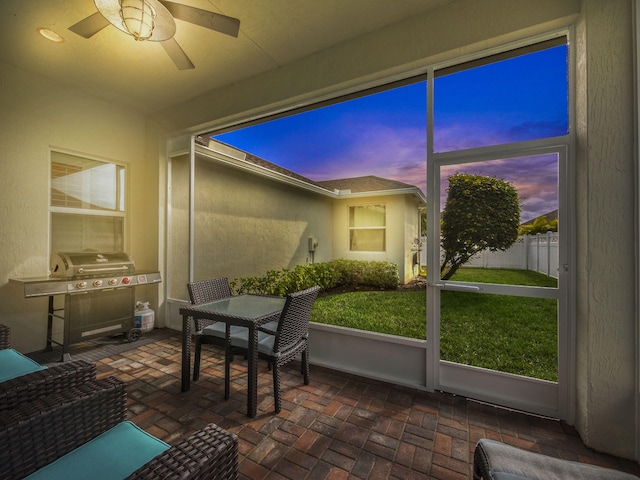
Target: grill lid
<point x="84" y="264"/>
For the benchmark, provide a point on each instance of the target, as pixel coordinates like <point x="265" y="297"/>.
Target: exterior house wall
<point x="398" y="213"/>
<point x="264" y="225"/>
<point x="412" y="239"/>
<point x="246" y="225"/>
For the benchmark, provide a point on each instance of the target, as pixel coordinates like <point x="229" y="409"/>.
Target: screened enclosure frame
<point x="430" y="381"/>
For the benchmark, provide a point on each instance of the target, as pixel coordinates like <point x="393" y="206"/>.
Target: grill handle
<point x="103" y="269"/>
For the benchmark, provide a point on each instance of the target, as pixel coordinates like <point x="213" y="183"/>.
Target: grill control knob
<point x="126" y="280"/>
<point x="97" y="283"/>
<point x="113" y="281"/>
<point x="81" y="285"/>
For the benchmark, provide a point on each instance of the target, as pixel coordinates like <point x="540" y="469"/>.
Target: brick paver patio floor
<point x="340" y="426"/>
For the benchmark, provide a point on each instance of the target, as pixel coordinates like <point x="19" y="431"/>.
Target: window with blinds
<point x="367" y="228"/>
<point x="86" y="204"/>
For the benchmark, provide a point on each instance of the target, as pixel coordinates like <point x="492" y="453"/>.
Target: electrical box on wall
<point x="313" y="243"/>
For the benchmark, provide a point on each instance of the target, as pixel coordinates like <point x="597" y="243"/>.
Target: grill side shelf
<point x="43" y="286"/>
<point x="39" y="288"/>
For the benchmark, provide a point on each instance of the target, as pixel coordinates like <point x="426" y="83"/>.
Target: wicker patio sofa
<point x="5" y="337"/>
<point x="40" y="381"/>
<point x="64" y="430"/>
<point x="498" y="461"/>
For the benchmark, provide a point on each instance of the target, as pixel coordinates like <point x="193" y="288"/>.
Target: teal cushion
<point x="266" y="341"/>
<point x="241" y="339"/>
<point x="115" y="454"/>
<point x="218" y="329"/>
<point x="13" y="364"/>
<point x="271" y="326"/>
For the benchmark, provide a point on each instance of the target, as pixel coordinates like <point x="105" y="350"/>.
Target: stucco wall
<point x="398" y="209"/>
<point x="606" y="289"/>
<point x="411" y="238"/>
<point x="245" y="225"/>
<point x="38" y="115"/>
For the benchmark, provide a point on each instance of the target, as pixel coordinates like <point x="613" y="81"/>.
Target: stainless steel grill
<point x="77" y="265"/>
<point x="99" y="298"/>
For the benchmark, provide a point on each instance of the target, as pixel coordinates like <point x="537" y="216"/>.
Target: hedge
<point x="327" y="275"/>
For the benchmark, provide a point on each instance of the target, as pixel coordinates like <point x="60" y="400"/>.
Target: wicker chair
<point x="280" y="346"/>
<point x="5" y="337"/>
<point x="54" y="379"/>
<point x="35" y="434"/>
<point x="207" y="331"/>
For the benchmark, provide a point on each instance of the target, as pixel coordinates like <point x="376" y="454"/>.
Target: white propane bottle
<point x="144" y="318"/>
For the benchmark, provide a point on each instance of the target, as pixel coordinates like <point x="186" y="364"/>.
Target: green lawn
<point x="511" y="334"/>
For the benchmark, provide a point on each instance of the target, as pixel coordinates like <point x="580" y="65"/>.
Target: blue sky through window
<point x="522" y="98"/>
<point x="384" y="134"/>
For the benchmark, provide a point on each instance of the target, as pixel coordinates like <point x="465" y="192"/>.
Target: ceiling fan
<point x="153" y="20"/>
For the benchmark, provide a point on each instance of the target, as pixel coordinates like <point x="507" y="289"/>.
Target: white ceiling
<point x="115" y="67"/>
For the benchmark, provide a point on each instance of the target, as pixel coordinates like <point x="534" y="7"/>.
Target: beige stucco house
<point x="253" y="216"/>
<point x="48" y="103"/>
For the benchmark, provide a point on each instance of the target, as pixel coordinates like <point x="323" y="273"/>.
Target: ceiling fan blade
<point x="177" y="54"/>
<point x="214" y="21"/>
<point x="91" y="25"/>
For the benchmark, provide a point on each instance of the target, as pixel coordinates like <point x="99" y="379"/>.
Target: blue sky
<point x="384" y="134"/>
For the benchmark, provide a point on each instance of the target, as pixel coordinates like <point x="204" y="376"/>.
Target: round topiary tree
<point x="481" y="213"/>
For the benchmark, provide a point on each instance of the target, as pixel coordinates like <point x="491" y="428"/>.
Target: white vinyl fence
<point x="530" y="252"/>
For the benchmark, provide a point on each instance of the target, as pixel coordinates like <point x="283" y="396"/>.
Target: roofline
<point x="396" y="191"/>
<point x="265" y="172"/>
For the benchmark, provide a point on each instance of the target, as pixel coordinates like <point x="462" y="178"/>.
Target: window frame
<point x="85" y="215"/>
<point x="382" y="228"/>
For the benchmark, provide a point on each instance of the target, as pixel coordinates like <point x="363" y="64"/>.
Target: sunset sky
<point x="384" y="134"/>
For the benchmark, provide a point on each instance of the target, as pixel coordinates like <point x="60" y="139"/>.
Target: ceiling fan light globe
<point x="138" y="17"/>
<point x="163" y="27"/>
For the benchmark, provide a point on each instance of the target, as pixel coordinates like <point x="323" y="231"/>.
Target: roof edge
<point x="261" y="171"/>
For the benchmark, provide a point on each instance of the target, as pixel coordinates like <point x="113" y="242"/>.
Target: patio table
<point x="246" y="310"/>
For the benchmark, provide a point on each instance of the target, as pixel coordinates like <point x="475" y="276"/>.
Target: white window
<point x="86" y="204"/>
<point x="367" y="228"/>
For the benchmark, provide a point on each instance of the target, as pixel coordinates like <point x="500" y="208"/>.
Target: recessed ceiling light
<point x="50" y="35"/>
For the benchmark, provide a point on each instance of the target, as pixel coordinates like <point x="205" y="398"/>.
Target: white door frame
<point x="523" y="393"/>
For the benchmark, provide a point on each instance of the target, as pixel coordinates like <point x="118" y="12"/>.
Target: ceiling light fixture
<point x="50" y="35"/>
<point x="138" y="18"/>
<point x="154" y="20"/>
<point x="142" y="19"/>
